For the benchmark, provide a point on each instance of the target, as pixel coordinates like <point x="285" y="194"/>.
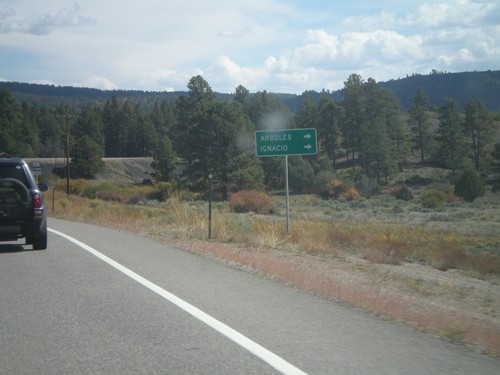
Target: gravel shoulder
<point x="453" y="304"/>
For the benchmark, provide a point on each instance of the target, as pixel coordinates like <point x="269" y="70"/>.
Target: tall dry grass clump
<point x="268" y="234"/>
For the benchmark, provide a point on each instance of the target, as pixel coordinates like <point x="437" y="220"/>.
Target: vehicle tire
<point x="15" y="198"/>
<point x="40" y="240"/>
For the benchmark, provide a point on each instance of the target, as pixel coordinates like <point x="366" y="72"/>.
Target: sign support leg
<point x="287" y="196"/>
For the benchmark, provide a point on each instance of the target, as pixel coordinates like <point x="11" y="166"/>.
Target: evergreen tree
<point x="376" y="157"/>
<point x="300" y="173"/>
<point x="10" y="122"/>
<point x="307" y="114"/>
<point x="242" y="98"/>
<point x="27" y="133"/>
<point x="495" y="167"/>
<point x="114" y="145"/>
<point x="144" y="133"/>
<point x="51" y="134"/>
<point x="419" y="123"/>
<point x="470" y="185"/>
<point x="450" y="137"/>
<point x="329" y="133"/>
<point x="246" y="173"/>
<point x="128" y="131"/>
<point x="396" y="129"/>
<point x="87" y="157"/>
<point x="478" y="126"/>
<point x="208" y="134"/>
<point x="191" y="130"/>
<point x="163" y="117"/>
<point x="89" y="123"/>
<point x="165" y="160"/>
<point x="226" y="123"/>
<point x="354" y="103"/>
<point x="268" y="112"/>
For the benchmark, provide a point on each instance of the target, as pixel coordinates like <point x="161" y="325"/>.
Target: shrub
<point x="76" y="186"/>
<point x="161" y="191"/>
<point x="404" y="193"/>
<point x="113" y="196"/>
<point x="137" y="199"/>
<point x="452" y="198"/>
<point x="350" y="194"/>
<point x="338" y="188"/>
<point x="251" y="201"/>
<point x="469" y="186"/>
<point x="433" y="198"/>
<point x="93" y="191"/>
<point x="335" y="187"/>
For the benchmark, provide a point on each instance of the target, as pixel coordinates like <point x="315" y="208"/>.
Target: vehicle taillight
<point x="37" y="204"/>
<point x="37" y="201"/>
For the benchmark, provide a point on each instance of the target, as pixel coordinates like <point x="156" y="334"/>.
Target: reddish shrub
<point x="452" y="198"/>
<point x="251" y="201"/>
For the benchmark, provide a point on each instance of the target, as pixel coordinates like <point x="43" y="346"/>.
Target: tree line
<point x="365" y="132"/>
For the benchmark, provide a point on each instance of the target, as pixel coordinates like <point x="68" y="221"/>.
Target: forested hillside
<point x="462" y="87"/>
<point x="482" y="86"/>
<point x="364" y="135"/>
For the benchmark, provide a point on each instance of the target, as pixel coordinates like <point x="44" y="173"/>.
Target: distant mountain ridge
<point x="483" y="86"/>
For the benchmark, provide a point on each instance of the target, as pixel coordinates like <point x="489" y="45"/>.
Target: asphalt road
<point x="143" y="307"/>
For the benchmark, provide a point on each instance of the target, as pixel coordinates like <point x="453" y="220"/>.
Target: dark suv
<point x="22" y="211"/>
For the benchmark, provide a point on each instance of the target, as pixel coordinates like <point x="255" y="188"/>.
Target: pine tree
<point x="354" y="103"/>
<point x="419" y="123"/>
<point x="478" y="126"/>
<point x="111" y="119"/>
<point x="450" y="137"/>
<point x="470" y="186"/>
<point x="87" y="157"/>
<point x="329" y="133"/>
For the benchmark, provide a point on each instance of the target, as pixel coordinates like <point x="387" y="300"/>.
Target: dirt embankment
<point x="118" y="170"/>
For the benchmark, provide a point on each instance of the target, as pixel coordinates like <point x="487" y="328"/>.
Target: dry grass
<point x="339" y="254"/>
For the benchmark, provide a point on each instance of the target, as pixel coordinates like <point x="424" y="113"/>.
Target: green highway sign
<point x="285" y="142"/>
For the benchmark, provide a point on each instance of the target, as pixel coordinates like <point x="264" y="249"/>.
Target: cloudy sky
<point x="275" y="45"/>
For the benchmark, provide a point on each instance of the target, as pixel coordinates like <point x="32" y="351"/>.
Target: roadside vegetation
<point x="452" y="235"/>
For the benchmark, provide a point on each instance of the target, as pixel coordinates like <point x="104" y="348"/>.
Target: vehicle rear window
<point x="13" y="171"/>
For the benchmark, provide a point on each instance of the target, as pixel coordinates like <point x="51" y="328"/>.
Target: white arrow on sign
<point x="308" y="147"/>
<point x="307" y="135"/>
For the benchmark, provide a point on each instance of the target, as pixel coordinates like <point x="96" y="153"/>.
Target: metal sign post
<point x="210" y="176"/>
<point x="283" y="143"/>
<point x="287" y="196"/>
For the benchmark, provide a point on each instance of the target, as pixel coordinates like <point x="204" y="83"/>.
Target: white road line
<point x="267" y="356"/>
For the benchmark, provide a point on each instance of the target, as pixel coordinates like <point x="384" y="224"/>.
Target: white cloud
<point x="45" y="23"/>
<point x="97" y="82"/>
<point x="272" y="45"/>
<point x="234" y="32"/>
<point x="43" y="82"/>
<point x="384" y="20"/>
<point x="452" y="13"/>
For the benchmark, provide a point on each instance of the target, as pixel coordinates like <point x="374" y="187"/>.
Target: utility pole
<point x="66" y="117"/>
